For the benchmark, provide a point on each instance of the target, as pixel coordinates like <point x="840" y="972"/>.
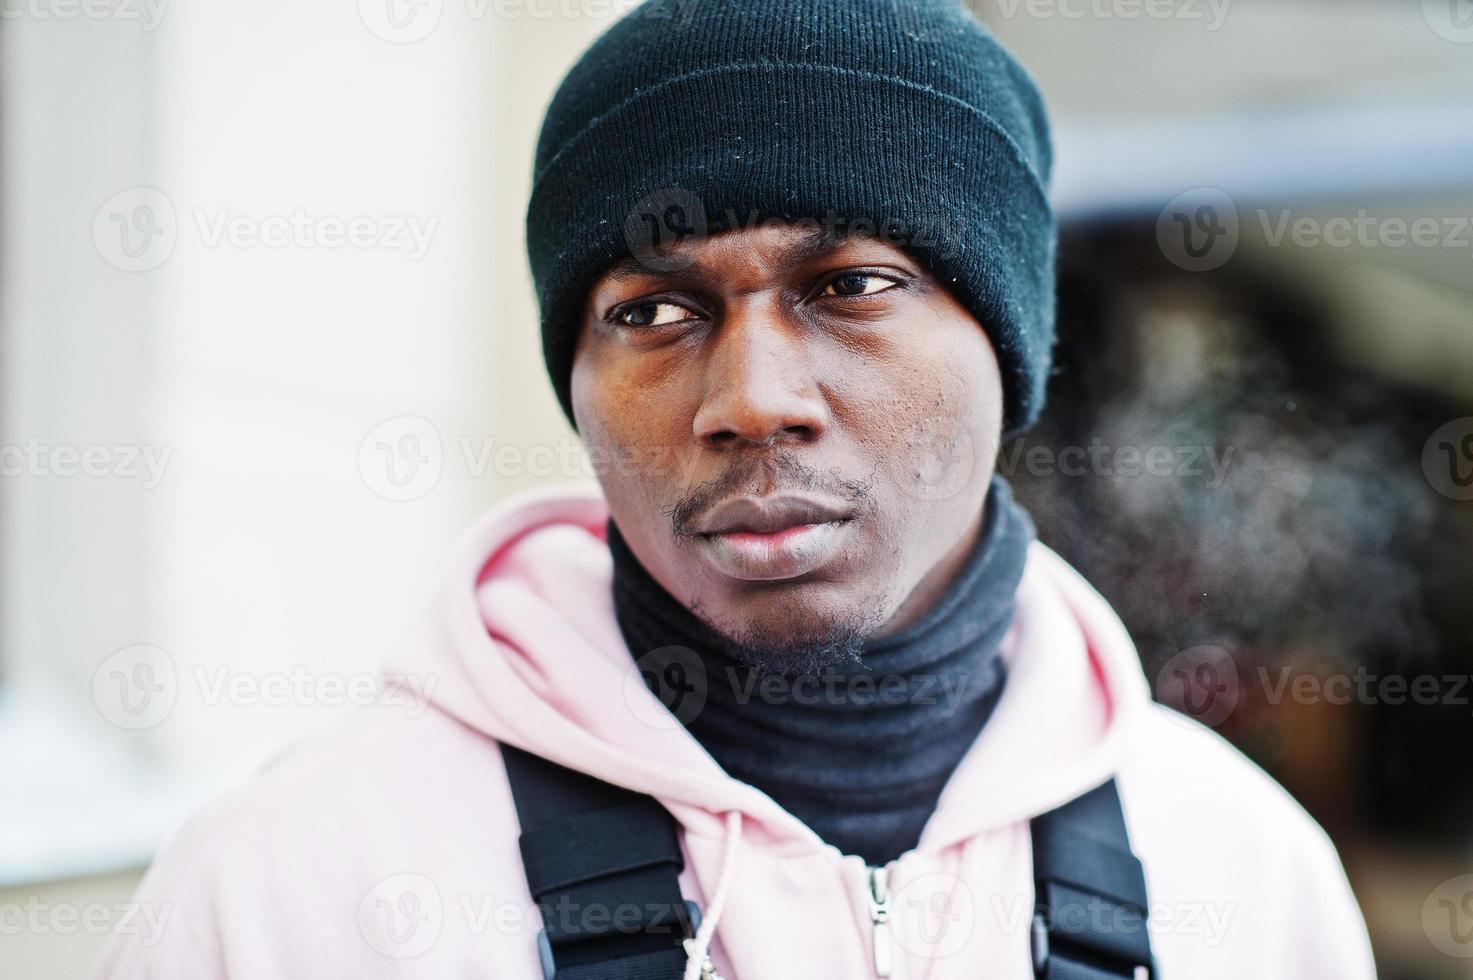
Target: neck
<point x="860" y="752"/>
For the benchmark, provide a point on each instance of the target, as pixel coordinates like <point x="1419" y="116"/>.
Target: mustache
<point x="780" y="471"/>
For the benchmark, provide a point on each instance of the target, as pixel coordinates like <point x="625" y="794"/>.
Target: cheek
<point x="624" y="391"/>
<point x="594" y="385"/>
<point x="931" y="419"/>
<point x="630" y="441"/>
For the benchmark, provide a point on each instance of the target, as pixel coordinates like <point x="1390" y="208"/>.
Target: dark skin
<point x="795" y="434"/>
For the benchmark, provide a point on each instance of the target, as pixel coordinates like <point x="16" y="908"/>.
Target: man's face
<point x="795" y="434"/>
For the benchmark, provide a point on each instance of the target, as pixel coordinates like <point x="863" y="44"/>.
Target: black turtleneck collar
<point x="858" y="752"/>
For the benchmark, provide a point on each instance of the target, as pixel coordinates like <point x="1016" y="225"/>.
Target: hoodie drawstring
<point x="698" y="947"/>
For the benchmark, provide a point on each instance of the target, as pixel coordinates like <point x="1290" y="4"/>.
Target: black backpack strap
<point x="602" y="863"/>
<point x="1090" y="914"/>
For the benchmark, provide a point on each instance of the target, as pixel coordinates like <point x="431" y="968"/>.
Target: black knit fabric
<point x="862" y="768"/>
<point x="691" y="117"/>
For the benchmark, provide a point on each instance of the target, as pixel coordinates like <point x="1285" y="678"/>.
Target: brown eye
<point x="651" y="313"/>
<point x="857" y="284"/>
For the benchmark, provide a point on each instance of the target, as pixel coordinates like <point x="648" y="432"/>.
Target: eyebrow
<point x="812" y="244"/>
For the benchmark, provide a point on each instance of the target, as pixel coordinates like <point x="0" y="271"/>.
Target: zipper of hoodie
<point x="878" y="896"/>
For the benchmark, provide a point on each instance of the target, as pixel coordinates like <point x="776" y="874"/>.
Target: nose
<point x="759" y="385"/>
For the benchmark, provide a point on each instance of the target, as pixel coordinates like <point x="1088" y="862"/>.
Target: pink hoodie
<point x="388" y="848"/>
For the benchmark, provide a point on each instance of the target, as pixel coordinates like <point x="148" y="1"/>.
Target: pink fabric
<point x="387" y="848"/>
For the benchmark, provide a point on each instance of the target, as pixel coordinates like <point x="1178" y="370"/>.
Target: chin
<point x="793" y="628"/>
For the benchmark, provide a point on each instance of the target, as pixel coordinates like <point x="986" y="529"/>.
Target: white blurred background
<point x="269" y="343"/>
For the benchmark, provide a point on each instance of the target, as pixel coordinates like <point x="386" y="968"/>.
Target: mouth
<point x="773" y="538"/>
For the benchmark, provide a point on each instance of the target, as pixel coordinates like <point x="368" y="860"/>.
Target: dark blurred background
<point x="1259" y="445"/>
<point x="1291" y="575"/>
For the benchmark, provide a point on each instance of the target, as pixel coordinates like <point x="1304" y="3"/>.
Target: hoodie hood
<point x="532" y="656"/>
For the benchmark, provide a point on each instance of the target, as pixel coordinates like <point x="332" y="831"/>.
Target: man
<point x="795" y="263"/>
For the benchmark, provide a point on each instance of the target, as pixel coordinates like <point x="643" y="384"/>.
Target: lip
<point x="772" y="538"/>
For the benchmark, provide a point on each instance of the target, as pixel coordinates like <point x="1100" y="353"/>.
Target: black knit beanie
<point x="901" y="118"/>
